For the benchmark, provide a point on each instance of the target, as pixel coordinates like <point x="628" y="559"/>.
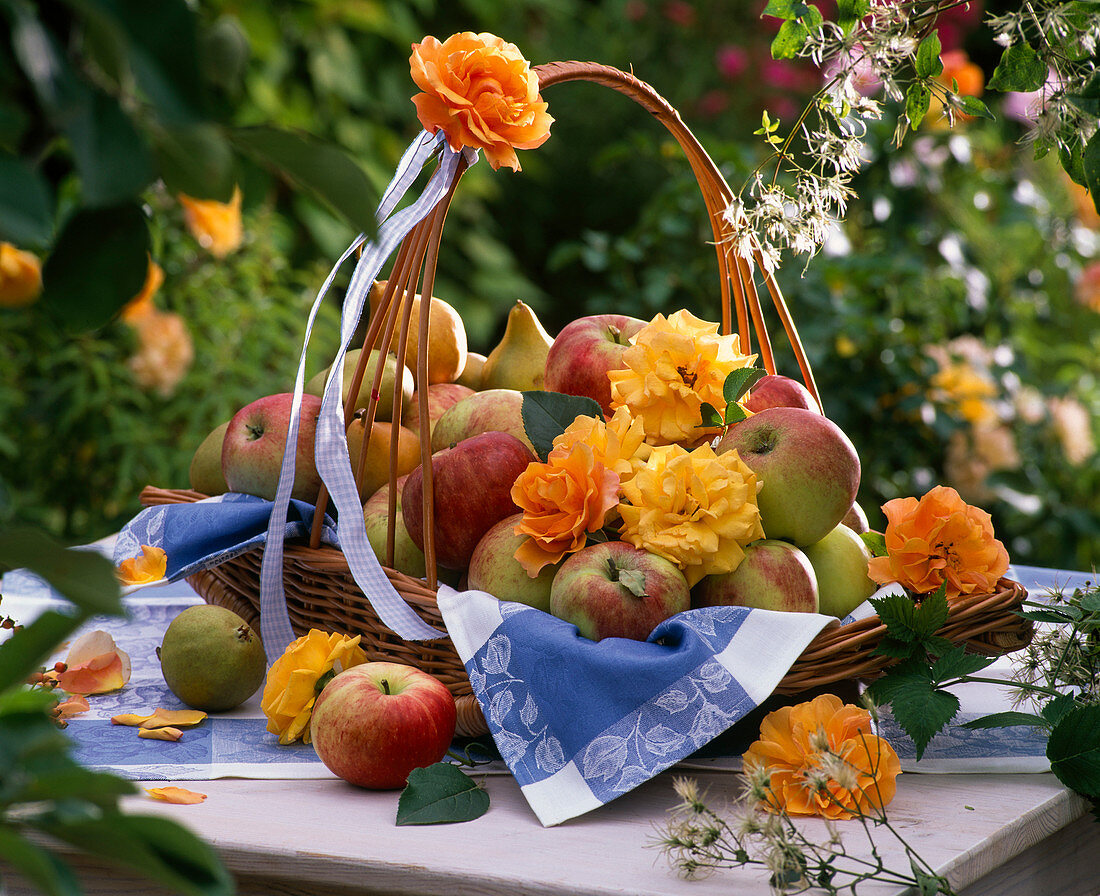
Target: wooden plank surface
<point x="299" y="838"/>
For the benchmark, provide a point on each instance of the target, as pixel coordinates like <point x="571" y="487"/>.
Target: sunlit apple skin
<point x="472" y="484"/>
<point x="856" y="520"/>
<point x="495" y="569"/>
<point x="494" y="410"/>
<point x="840" y="563"/>
<point x="585" y="351"/>
<point x="773" y="390"/>
<point x="374" y="723"/>
<point x="441" y="397"/>
<point x="587" y="591"/>
<point x="252" y="451"/>
<point x="407" y="557"/>
<point x="774" y="575"/>
<point x="808" y="469"/>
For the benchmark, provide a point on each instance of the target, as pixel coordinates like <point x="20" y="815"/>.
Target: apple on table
<point x="252" y="450"/>
<point x="376" y="722"/>
<point x="773" y="575"/>
<point x="612" y="589"/>
<point x="585" y="351"/>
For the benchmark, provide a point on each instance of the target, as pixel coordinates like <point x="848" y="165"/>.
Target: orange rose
<point x="216" y="225"/>
<point x="142" y="303"/>
<point x="562" y="501"/>
<point x="822" y="759"/>
<point x="482" y="93"/>
<point x="20" y="277"/>
<point x="939" y="539"/>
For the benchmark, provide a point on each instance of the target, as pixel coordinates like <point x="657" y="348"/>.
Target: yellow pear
<point x="384" y="410"/>
<point x="376" y="467"/>
<point x="519" y="359"/>
<point x="471" y="373"/>
<point x="447" y="346"/>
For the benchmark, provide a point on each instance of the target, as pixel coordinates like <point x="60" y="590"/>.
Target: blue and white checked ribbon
<point x="331" y="451"/>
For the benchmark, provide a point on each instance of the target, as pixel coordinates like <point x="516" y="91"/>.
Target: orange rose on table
<point x="939" y="539"/>
<point x="480" y="91"/>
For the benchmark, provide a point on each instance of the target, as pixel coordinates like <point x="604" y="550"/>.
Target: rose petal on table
<point x="177" y="795"/>
<point x="172" y="734"/>
<point x="177" y="718"/>
<point x="100" y="674"/>
<point x="129" y="718"/>
<point x="74" y="705"/>
<point x="149" y="567"/>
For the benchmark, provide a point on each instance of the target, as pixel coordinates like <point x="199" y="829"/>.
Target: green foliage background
<point x="957" y="233"/>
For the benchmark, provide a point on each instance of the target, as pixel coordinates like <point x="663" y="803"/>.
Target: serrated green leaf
<point x="50" y="875"/>
<point x="1074" y="750"/>
<point x="789" y="40"/>
<point x="739" y="381"/>
<point x="734" y="414"/>
<point x="974" y="107"/>
<point x="1007" y="720"/>
<point x="441" y="794"/>
<point x="709" y="415"/>
<point x="1020" y="69"/>
<point x="918" y="706"/>
<point x="917" y="99"/>
<point x="897" y="612"/>
<point x="1090" y="167"/>
<point x="956" y="662"/>
<point x="894" y="648"/>
<point x="875" y="542"/>
<point x="1057" y="708"/>
<point x="1057" y="616"/>
<point x="932" y="612"/>
<point x="927" y="63"/>
<point x="547" y="414"/>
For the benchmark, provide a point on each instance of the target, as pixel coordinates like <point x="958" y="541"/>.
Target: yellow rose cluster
<point x="649" y="472"/>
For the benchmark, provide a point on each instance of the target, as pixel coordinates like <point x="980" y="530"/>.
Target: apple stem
<point x="385" y="686"/>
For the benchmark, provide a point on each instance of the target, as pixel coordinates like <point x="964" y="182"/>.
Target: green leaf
<point x="1090" y="167"/>
<point x="739" y="381"/>
<point x="927" y="884"/>
<point x="789" y="40"/>
<point x="1020" y="69"/>
<point x="784" y="9"/>
<point x="892" y="647"/>
<point x="917" y="99"/>
<point x="547" y="414"/>
<point x="1088" y="100"/>
<point x="1057" y="708"/>
<point x="1074" y="750"/>
<point x="157" y="848"/>
<point x="709" y="415"/>
<point x="734" y="414"/>
<point x="927" y="63"/>
<point x="85" y="577"/>
<point x="39" y="866"/>
<point x="112" y="157"/>
<point x="1007" y="720"/>
<point x="26" y="204"/>
<point x="919" y="707"/>
<point x="973" y="107"/>
<point x="196" y="160"/>
<point x="908" y="621"/>
<point x="441" y="794"/>
<point x="28" y="648"/>
<point x="1059" y="616"/>
<point x="849" y="12"/>
<point x="956" y="662"/>
<point x="75" y="782"/>
<point x="323" y="170"/>
<point x="97" y="265"/>
<point x="875" y="542"/>
<point x="1073" y="162"/>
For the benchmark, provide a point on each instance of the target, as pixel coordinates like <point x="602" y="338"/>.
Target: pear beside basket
<point x="320" y="590"/>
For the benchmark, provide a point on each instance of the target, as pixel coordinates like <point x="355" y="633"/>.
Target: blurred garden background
<point x="952" y="319"/>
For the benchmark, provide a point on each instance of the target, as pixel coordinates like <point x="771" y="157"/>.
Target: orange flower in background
<point x="697" y="509"/>
<point x="142" y="303"/>
<point x="480" y="91"/>
<point x="966" y="391"/>
<point x="149" y="567"/>
<point x="823" y="759"/>
<point x="165" y="351"/>
<point x="20" y="277"/>
<point x="216" y="225"/>
<point x="937" y="540"/>
<point x="296" y="678"/>
<point x="94" y="665"/>
<point x="1087" y="288"/>
<point x="957" y="68"/>
<point x="562" y="501"/>
<point x="673" y="365"/>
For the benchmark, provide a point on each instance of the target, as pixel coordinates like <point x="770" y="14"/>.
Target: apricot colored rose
<point x="94" y="665"/>
<point x="216" y="225"/>
<point x="697" y="509"/>
<point x="480" y="91"/>
<point x="823" y="759"/>
<point x="142" y="303"/>
<point x="149" y="567"/>
<point x="295" y="679"/>
<point x="939" y="539"/>
<point x="562" y="501"/>
<point x="20" y="277"/>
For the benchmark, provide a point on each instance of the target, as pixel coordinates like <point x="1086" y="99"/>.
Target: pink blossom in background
<point x="731" y="61"/>
<point x="713" y="103"/>
<point x="635" y="10"/>
<point x="864" y="78"/>
<point x="679" y="12"/>
<point x="956" y="23"/>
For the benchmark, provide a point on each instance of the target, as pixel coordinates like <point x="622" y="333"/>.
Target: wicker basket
<point x="320" y="590"/>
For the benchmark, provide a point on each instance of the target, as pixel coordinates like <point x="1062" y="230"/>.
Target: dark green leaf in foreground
<point x="441" y="794"/>
<point x="547" y="414"/>
<point x="1090" y="167"/>
<point x="957" y="662"/>
<point x="40" y="867"/>
<point x="1074" y="751"/>
<point x="1020" y="70"/>
<point x="87" y="578"/>
<point x="1058" y="708"/>
<point x="1007" y="720"/>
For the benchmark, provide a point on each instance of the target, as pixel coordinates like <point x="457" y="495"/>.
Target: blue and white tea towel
<point x="580" y="722"/>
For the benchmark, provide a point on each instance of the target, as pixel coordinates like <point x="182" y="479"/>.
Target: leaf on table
<point x="1074" y="751"/>
<point x="441" y="794"/>
<point x="179" y="796"/>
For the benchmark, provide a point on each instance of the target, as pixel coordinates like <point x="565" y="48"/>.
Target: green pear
<point x="519" y="359"/>
<point x="205" y="472"/>
<point x="316" y="385"/>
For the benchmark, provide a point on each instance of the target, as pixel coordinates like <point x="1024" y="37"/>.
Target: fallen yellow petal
<point x="179" y="718"/>
<point x="177" y="795"/>
<point x="129" y="718"/>
<point x="172" y="734"/>
<point x="149" y="567"/>
<point x="72" y="706"/>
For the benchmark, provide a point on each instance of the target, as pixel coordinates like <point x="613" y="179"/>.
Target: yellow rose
<point x="297" y="677"/>
<point x="697" y="509"/>
<point x="618" y="443"/>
